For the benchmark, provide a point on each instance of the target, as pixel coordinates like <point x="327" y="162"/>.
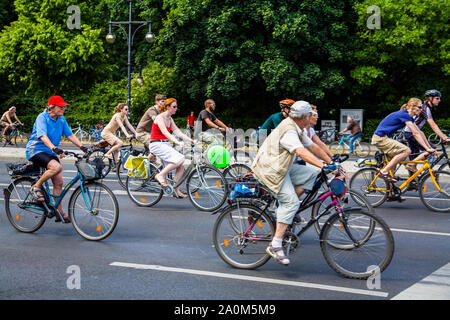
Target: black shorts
<point x="415" y="146"/>
<point x="42" y="159"/>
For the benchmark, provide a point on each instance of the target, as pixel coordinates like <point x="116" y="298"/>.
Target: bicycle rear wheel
<point x="436" y="196"/>
<point x="241" y="235"/>
<point x="375" y="190"/>
<point x="357" y="244"/>
<point x="207" y="188"/>
<point x="24" y="215"/>
<point x="94" y="211"/>
<point x="145" y="192"/>
<point x="337" y="148"/>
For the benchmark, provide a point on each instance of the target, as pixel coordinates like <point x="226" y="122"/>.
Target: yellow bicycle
<point x="433" y="186"/>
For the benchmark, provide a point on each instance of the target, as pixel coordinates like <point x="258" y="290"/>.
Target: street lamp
<point x="149" y="37"/>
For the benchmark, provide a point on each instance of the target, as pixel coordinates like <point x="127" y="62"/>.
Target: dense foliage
<point x="245" y="54"/>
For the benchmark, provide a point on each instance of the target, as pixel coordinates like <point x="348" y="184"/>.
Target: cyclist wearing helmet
<point x="432" y="100"/>
<point x="274" y="120"/>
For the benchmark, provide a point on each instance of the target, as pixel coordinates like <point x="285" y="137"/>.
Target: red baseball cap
<point x="57" y="101"/>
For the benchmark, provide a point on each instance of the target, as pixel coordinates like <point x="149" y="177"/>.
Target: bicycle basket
<point x="91" y="169"/>
<point x="137" y="167"/>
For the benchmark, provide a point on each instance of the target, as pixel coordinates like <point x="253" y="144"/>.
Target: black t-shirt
<point x="204" y="114"/>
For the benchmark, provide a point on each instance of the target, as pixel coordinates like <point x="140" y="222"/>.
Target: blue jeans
<point x="356" y="136"/>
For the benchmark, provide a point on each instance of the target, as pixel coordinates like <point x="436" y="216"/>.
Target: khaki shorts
<point x="109" y="137"/>
<point x="143" y="137"/>
<point x="388" y="146"/>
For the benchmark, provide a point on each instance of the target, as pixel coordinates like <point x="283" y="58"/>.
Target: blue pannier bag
<point x="242" y="190"/>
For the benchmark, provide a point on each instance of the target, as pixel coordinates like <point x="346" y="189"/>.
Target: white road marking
<point x="434" y="287"/>
<point x="250" y="278"/>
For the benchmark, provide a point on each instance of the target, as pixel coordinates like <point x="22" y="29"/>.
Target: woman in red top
<point x="160" y="139"/>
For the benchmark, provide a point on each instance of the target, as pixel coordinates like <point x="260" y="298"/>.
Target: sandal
<point x="65" y="217"/>
<point x="180" y="195"/>
<point x="162" y="183"/>
<point x="278" y="255"/>
<point x="37" y="194"/>
<point x="387" y="177"/>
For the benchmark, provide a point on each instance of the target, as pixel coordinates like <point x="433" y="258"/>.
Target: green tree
<point x="40" y="52"/>
<point x="248" y="54"/>
<point x="409" y="54"/>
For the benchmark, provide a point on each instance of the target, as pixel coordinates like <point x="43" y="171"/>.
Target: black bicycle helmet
<point x="432" y="93"/>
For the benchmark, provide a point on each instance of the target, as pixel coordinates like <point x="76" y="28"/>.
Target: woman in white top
<point x="312" y="134"/>
<point x="116" y="122"/>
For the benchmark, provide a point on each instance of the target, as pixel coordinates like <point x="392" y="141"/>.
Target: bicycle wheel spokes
<point x="376" y="191"/>
<point x="206" y="187"/>
<point x="240" y="238"/>
<point x="435" y="193"/>
<point x="23" y="214"/>
<point x="358" y="244"/>
<point x="95" y="213"/>
<point x="144" y="192"/>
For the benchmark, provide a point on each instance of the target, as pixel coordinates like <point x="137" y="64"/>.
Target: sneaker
<point x="278" y="255"/>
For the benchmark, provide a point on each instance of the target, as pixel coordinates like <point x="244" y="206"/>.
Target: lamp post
<point x="149" y="37"/>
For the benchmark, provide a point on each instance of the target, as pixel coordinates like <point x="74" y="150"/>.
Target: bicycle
<point x="435" y="139"/>
<point x="81" y="134"/>
<point x="205" y="184"/>
<point x="93" y="208"/>
<point x="95" y="134"/>
<point x="13" y="134"/>
<point x="354" y="241"/>
<point x="433" y="186"/>
<point x="327" y="135"/>
<point x="361" y="149"/>
<point x="125" y="152"/>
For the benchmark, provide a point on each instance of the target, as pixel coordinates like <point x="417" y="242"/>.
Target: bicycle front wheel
<point x="234" y="171"/>
<point x="24" y="214"/>
<point x="241" y="235"/>
<point x="357" y="244"/>
<point x="434" y="191"/>
<point x="94" y="211"/>
<point x="207" y="188"/>
<point x="375" y="189"/>
<point x="362" y="149"/>
<point x="322" y="210"/>
<point x="145" y="192"/>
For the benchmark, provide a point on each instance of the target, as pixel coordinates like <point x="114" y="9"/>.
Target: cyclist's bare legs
<point x="395" y="160"/>
<point x="115" y="148"/>
<point x="54" y="172"/>
<point x="178" y="174"/>
<point x="412" y="166"/>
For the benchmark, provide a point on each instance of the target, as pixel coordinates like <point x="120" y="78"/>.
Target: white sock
<point x="276" y="243"/>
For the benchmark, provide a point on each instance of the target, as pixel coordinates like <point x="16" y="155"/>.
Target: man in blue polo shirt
<point x="42" y="147"/>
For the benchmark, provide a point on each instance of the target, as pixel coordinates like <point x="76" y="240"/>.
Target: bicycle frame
<point x="59" y="198"/>
<point x="426" y="166"/>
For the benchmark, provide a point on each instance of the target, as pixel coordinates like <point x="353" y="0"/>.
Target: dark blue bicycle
<point x="93" y="208"/>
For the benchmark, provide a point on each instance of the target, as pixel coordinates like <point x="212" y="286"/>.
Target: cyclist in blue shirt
<point x="42" y="147"/>
<point x="394" y="150"/>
